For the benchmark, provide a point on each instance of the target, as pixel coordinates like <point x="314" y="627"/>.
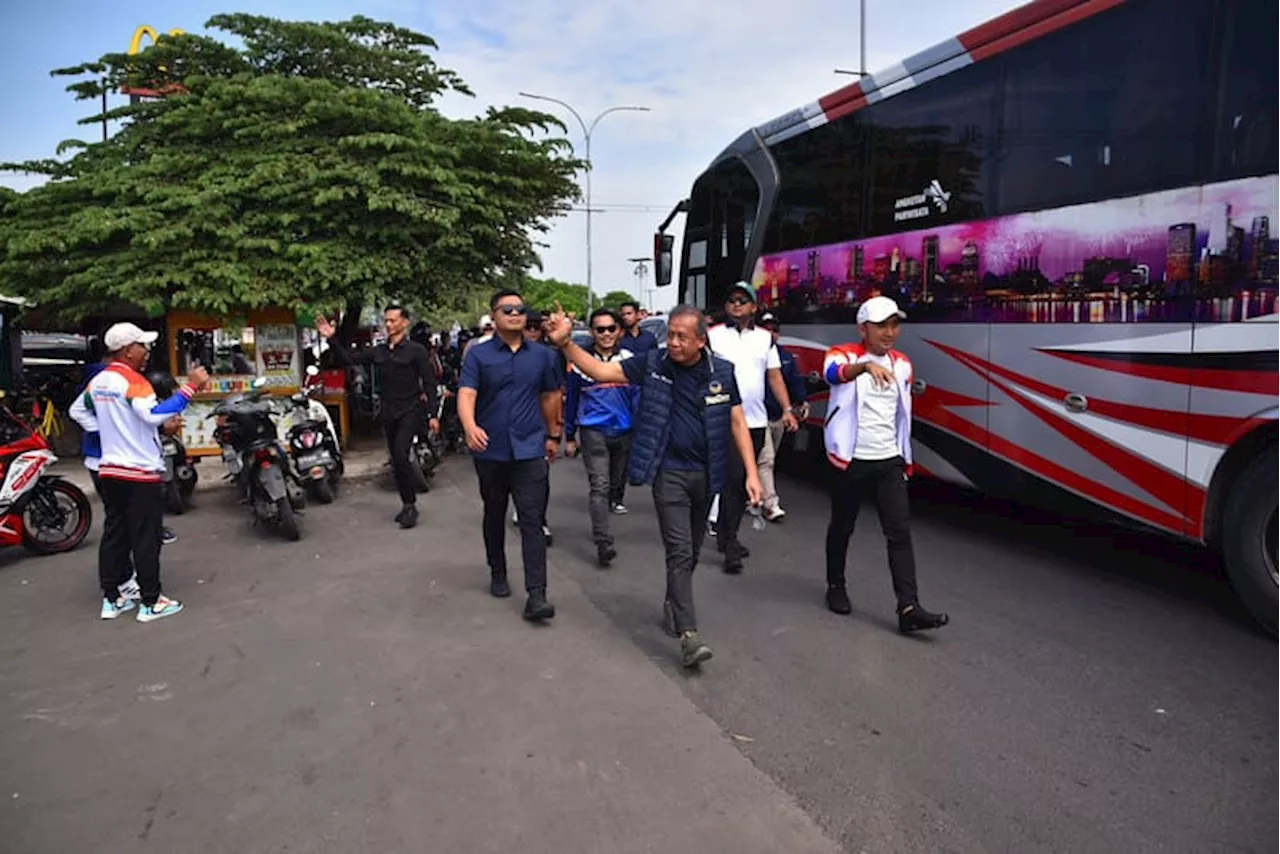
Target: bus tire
<point x="1249" y="537"/>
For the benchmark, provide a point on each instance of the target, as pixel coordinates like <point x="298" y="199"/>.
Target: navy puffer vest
<point x="653" y="427"/>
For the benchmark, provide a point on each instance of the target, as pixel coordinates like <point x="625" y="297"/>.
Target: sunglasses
<point x="513" y="309"/>
<point x="605" y="330"/>
<point x="740" y="300"/>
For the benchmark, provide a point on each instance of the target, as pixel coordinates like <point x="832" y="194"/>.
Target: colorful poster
<point x="276" y="347"/>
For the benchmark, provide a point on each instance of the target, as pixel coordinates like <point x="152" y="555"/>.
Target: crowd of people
<point x="699" y="421"/>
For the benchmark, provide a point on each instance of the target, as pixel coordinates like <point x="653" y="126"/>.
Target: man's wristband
<point x="551" y="438"/>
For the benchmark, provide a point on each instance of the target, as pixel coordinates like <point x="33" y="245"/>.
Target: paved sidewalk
<point x="356" y="691"/>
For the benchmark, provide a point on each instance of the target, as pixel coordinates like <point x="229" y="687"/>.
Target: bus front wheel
<point x="1249" y="537"/>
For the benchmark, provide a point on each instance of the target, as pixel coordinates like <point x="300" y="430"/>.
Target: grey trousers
<point x="682" y="501"/>
<point x="606" y="462"/>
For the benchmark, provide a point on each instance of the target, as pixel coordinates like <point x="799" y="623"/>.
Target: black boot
<point x="838" y="600"/>
<point x="537" y="608"/>
<point x="605" y="555"/>
<point x="408" y="516"/>
<point x="498" y="586"/>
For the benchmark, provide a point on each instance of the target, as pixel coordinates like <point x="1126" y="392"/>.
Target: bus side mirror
<point x="663" y="254"/>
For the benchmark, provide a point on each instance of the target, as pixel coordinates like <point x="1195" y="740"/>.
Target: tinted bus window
<point x="1244" y="126"/>
<point x="930" y="151"/>
<point x="1108" y="107"/>
<point x="821" y="191"/>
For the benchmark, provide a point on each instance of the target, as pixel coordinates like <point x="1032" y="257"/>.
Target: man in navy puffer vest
<point x="689" y="412"/>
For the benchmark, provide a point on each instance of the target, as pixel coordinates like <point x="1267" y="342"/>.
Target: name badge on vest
<point x="717" y="394"/>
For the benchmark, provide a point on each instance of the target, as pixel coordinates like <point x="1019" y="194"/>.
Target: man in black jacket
<point x="408" y="395"/>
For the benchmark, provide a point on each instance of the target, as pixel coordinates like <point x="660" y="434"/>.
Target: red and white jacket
<point x="840" y="432"/>
<point x="124" y="404"/>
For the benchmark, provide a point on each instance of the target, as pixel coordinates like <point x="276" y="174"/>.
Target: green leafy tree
<point x="306" y="167"/>
<point x="615" y="299"/>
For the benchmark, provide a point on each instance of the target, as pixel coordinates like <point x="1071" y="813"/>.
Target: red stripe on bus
<point x="1252" y="382"/>
<point x="1000" y="35"/>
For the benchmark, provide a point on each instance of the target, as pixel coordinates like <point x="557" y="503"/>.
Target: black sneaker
<point x="605" y="555"/>
<point x="537" y="608"/>
<point x="723" y="547"/>
<point x="913" y="618"/>
<point x="838" y="600"/>
<point x="693" y="650"/>
<point x="734" y="555"/>
<point x="498" y="586"/>
<point x="408" y="516"/>
<point x="167" y="537"/>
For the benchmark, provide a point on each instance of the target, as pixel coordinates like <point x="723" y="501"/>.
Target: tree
<point x="307" y="167"/>
<point x="615" y="299"/>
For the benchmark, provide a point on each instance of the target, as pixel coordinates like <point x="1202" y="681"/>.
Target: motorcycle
<point x="313" y="442"/>
<point x="180" y="474"/>
<point x="42" y="512"/>
<point x="261" y="468"/>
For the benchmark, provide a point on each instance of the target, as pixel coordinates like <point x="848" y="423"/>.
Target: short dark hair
<point x="404" y="312"/>
<point x="501" y="295"/>
<point x="604" y="312"/>
<point x="689" y="311"/>
<point x="629" y="304"/>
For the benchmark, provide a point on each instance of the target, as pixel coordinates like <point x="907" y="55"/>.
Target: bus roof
<point x="1011" y="29"/>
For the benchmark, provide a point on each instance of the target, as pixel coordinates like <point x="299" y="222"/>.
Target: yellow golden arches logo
<point x="135" y="46"/>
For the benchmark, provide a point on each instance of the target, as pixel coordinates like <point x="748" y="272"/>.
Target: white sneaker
<point x="619" y="509"/>
<point x="164" y="607"/>
<point x="775" y="514"/>
<point x="111" y="610"/>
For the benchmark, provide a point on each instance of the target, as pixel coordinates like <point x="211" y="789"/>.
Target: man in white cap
<point x="486" y="334"/>
<point x="131" y="470"/>
<point x="868" y="442"/>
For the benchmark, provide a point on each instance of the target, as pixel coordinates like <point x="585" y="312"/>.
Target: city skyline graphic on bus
<point x="1200" y="253"/>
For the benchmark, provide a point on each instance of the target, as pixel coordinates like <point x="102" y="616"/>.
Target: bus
<point x="1073" y="203"/>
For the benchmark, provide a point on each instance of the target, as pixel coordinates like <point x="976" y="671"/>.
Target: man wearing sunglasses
<point x="755" y="364"/>
<point x="602" y="411"/>
<point x="509" y="403"/>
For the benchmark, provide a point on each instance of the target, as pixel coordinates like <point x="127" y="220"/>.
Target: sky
<point x="706" y="71"/>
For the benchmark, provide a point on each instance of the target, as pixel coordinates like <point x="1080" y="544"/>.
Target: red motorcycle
<point x="43" y="512"/>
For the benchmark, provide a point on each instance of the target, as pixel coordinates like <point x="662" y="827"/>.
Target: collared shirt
<point x="752" y="352"/>
<point x="405" y="372"/>
<point x="509" y="385"/>
<point x="639" y="344"/>
<point x="687" y="441"/>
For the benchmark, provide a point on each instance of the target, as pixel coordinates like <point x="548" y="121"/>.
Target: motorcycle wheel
<point x="287" y="521"/>
<point x="421" y="480"/>
<point x="322" y="491"/>
<point x="174" y="501"/>
<point x="56" y="504"/>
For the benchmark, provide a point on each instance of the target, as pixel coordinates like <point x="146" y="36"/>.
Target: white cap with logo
<point x="121" y="335"/>
<point x="878" y="310"/>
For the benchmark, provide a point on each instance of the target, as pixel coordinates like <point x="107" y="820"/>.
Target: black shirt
<point x="405" y="371"/>
<point x="687" y="441"/>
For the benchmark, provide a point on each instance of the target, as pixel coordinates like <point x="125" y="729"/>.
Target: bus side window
<point x="1244" y="126"/>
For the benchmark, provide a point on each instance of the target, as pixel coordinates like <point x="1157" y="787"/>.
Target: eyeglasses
<point x="513" y="309"/>
<point x="605" y="330"/>
<point x="740" y="300"/>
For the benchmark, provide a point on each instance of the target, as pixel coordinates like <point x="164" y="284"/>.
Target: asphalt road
<point x="359" y="691"/>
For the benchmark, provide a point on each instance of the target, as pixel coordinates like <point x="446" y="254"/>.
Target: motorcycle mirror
<point x="313" y="371"/>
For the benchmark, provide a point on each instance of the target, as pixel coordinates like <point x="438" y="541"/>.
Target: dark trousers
<point x="733" y="501"/>
<point x="400" y="431"/>
<point x="134" y="512"/>
<point x="125" y="570"/>
<point x="606" y="462"/>
<point x="526" y="483"/>
<point x="884" y="481"/>
<point x="682" y="501"/>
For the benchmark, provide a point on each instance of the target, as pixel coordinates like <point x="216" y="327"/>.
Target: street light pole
<point x="587" y="130"/>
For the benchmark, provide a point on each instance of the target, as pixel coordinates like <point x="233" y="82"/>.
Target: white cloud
<point x="707" y="71"/>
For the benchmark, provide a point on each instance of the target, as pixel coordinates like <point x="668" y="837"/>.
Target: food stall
<point x="266" y="343"/>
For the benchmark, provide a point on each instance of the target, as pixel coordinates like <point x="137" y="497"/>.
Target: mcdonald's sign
<point x="135" y="47"/>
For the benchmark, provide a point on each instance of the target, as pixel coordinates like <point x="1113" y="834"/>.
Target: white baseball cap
<point x="878" y="310"/>
<point x="121" y="335"/>
<point x="485" y="320"/>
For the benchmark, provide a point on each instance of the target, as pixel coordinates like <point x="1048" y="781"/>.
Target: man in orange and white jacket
<point x="868" y="442"/>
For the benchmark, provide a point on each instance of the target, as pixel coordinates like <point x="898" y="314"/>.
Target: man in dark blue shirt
<point x="639" y="341"/>
<point x="509" y="405"/>
<point x="690" y="411"/>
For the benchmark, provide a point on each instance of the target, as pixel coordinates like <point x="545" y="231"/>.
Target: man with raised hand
<point x="689" y="415"/>
<point x="868" y="441"/>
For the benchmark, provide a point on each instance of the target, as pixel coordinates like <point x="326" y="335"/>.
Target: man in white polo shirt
<point x="868" y="441"/>
<point x="755" y="362"/>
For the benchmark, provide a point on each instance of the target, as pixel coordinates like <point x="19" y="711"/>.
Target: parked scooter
<point x="260" y="467"/>
<point x="313" y="442"/>
<point x="180" y="475"/>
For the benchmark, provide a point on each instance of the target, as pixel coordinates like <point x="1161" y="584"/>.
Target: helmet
<point x="163" y="383"/>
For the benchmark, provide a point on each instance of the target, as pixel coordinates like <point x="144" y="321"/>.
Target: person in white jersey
<point x="868" y="443"/>
<point x="755" y="363"/>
